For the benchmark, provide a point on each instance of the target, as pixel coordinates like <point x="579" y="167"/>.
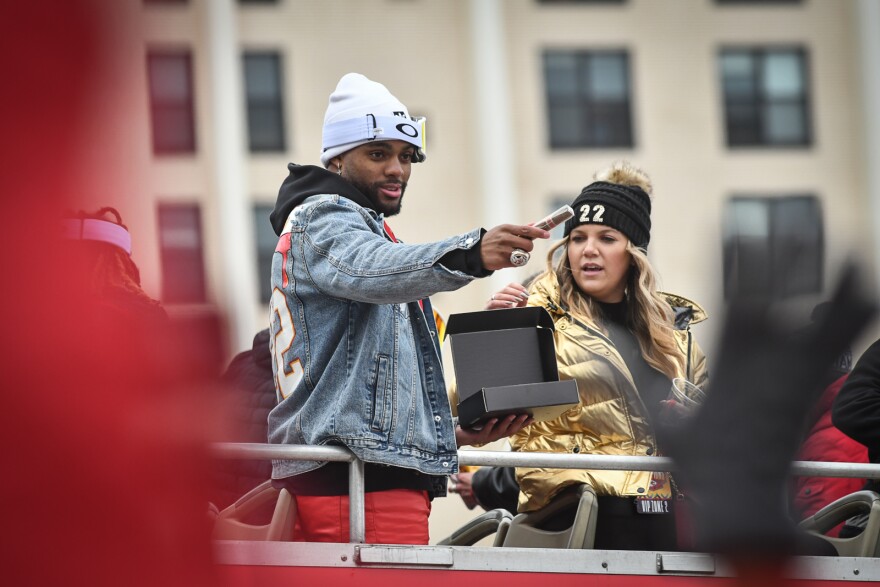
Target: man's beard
<point x="371" y="191"/>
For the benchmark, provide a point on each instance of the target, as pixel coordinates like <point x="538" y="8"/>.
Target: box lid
<point x="499" y="320"/>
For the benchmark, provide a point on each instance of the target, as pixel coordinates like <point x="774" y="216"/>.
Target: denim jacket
<point x="355" y="358"/>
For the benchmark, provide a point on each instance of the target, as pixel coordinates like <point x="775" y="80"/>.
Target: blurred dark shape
<point x="248" y="397"/>
<point x="736" y="458"/>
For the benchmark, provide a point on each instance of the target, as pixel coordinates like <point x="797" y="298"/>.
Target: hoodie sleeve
<point x="346" y="259"/>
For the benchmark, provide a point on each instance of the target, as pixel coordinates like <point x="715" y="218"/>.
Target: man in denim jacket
<point x="355" y="351"/>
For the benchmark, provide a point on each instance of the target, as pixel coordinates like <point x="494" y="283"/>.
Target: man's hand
<point x="499" y="242"/>
<point x="461" y="484"/>
<point x="492" y="430"/>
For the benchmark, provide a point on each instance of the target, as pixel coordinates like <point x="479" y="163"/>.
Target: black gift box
<point x="505" y="362"/>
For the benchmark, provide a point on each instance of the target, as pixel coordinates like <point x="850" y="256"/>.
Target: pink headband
<point x="97" y="230"/>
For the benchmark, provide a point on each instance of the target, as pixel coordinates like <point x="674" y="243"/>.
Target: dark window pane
<point x="265" y="107"/>
<point x="566" y="124"/>
<point x="738" y="71"/>
<point x="785" y="124"/>
<point x="611" y="126"/>
<point x="773" y="246"/>
<point x="266" y="241"/>
<point x="588" y="99"/>
<point x="180" y="244"/>
<point x="171" y="102"/>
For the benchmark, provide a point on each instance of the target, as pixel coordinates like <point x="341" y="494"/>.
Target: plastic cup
<point x="686" y="393"/>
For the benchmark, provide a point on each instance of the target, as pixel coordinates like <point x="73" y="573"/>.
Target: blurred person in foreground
<point x="103" y="464"/>
<point x="735" y="456"/>
<point x="623" y="342"/>
<point x="356" y="354"/>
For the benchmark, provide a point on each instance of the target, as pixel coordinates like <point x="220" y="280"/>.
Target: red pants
<point x="396" y="516"/>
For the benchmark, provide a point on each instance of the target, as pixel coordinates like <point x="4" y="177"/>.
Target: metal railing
<point x="230" y="450"/>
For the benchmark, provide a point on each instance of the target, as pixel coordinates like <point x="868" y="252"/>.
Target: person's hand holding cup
<point x="682" y="402"/>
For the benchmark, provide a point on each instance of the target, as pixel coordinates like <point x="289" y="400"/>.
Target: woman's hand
<point x="492" y="429"/>
<point x="512" y="295"/>
<point x="673" y="413"/>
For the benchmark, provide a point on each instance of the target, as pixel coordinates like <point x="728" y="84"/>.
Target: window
<point x="171" y="101"/>
<point x="588" y="99"/>
<point x="180" y="242"/>
<point x="773" y="245"/>
<point x="266" y="240"/>
<point x="765" y="97"/>
<point x="265" y="104"/>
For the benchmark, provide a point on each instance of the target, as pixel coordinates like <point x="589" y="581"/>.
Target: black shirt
<point x="652" y="385"/>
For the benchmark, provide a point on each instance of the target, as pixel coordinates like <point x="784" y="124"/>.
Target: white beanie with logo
<point x="361" y="110"/>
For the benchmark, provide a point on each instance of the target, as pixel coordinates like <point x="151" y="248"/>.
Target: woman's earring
<point x="339" y="171"/>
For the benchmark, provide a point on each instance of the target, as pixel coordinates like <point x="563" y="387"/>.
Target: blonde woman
<point x="623" y="342"/>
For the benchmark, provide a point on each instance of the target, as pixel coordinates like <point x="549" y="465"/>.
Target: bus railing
<point x="229" y="450"/>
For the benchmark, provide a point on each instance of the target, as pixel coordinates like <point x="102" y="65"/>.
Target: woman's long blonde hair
<point x="649" y="315"/>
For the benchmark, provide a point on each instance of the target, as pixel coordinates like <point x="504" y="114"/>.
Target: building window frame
<point x="748" y="110"/>
<point x="266" y="103"/>
<point x="171" y="112"/>
<point x="595" y="117"/>
<point x="181" y="253"/>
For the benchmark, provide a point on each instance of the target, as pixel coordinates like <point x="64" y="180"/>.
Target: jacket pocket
<point x="381" y="407"/>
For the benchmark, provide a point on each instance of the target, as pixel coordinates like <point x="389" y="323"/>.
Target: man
<point x="355" y="351"/>
<point x="856" y="412"/>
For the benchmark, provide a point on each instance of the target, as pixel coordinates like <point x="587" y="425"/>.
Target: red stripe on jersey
<point x="283" y="247"/>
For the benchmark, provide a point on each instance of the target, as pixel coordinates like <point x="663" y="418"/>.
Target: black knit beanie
<point x="626" y="208"/>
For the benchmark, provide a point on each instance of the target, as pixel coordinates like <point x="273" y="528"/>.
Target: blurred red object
<point x="100" y="430"/>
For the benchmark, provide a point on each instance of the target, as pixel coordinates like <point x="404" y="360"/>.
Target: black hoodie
<point x="310" y="180"/>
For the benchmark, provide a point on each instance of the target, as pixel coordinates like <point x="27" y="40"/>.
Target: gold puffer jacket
<point x="610" y="418"/>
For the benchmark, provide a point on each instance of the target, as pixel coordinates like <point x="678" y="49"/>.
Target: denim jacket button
<point x="436" y="418"/>
<point x="445" y="464"/>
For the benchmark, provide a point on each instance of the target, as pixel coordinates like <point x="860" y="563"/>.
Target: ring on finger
<point x="518" y="257"/>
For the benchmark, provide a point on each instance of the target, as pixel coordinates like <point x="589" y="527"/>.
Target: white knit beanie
<point x="361" y="110"/>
